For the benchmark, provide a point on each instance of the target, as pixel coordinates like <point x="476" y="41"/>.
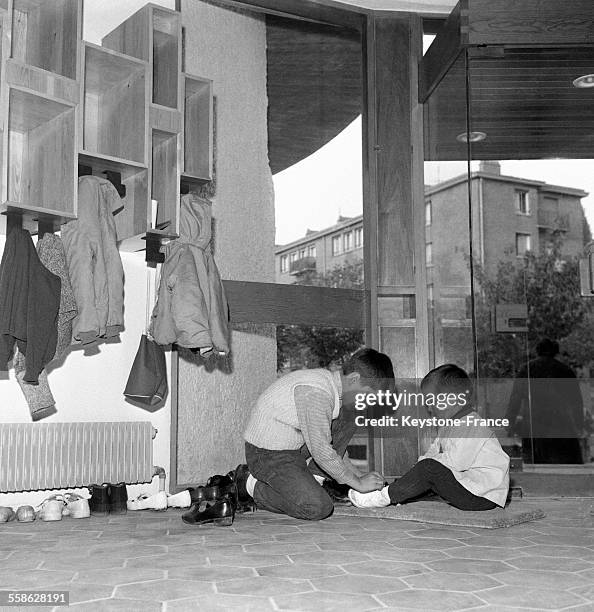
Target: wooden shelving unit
<point x="114" y="105"/>
<point x="153" y="34"/>
<point x="69" y="106"/>
<point x="40" y="143"/>
<point x="46" y="34"/>
<point x="198" y="130"/>
<point x="39" y="97"/>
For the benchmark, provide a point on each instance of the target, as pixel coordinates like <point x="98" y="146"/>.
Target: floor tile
<point x="82" y="591"/>
<point x="206" y="603"/>
<point x="117" y="605"/>
<point x="162" y="590"/>
<point x="333" y="557"/>
<point x="264" y="586"/>
<point x="328" y="602"/>
<point x="469" y="566"/>
<point x="541" y="579"/>
<point x="303" y="571"/>
<point x="419" y="599"/>
<point x="118" y="576"/>
<point x="369" y="585"/>
<point x="539" y="598"/>
<point x="213" y="573"/>
<point x="449" y="581"/>
<point x="249" y="560"/>
<point x="485" y="552"/>
<point x="549" y="563"/>
<point x="385" y="568"/>
<point x="33" y="579"/>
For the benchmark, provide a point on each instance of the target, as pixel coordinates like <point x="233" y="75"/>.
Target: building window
<point x="335" y="245"/>
<point x="292" y="258"/>
<point x="301" y="253"/>
<point x="429" y="253"/>
<point x="358" y="237"/>
<point x="284" y="263"/>
<point x="523" y="244"/>
<point x="522" y="203"/>
<point x="428" y="213"/>
<point x="348" y="241"/>
<point x="311" y="250"/>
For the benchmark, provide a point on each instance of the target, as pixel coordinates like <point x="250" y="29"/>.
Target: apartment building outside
<point x="511" y="216"/>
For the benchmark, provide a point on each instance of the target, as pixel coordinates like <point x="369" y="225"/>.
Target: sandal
<point x="6" y="514"/>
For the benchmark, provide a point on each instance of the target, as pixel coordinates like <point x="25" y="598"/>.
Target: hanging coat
<point x="29" y="303"/>
<point x="39" y="397"/>
<point x="94" y="262"/>
<point x="191" y="309"/>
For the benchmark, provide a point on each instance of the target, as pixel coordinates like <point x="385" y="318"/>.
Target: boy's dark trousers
<point x="286" y="484"/>
<point x="430" y="475"/>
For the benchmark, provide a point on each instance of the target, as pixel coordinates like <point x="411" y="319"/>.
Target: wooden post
<point x="393" y="210"/>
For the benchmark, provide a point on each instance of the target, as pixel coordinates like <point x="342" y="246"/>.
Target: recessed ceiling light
<point x="584" y="82"/>
<point x="471" y="137"/>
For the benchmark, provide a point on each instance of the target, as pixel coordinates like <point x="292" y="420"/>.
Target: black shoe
<point x="244" y="501"/>
<point x="99" y="502"/>
<point x="216" y="488"/>
<point x="222" y="512"/>
<point x="339" y="493"/>
<point x="118" y="496"/>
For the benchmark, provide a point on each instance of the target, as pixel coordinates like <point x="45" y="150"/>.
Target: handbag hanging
<point x="147" y="382"/>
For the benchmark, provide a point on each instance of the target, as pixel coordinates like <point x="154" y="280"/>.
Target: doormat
<point x="443" y="514"/>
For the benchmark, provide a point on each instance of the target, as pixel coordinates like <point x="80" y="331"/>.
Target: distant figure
<point x="546" y="394"/>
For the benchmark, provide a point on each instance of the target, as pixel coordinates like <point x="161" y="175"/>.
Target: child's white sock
<point x="374" y="499"/>
<point x="250" y="484"/>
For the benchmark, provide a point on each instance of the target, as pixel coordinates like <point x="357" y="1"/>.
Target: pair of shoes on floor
<point x="220" y="499"/>
<point x="212" y="503"/>
<point x="24" y="514"/>
<point x="108" y="498"/>
<point x="56" y="506"/>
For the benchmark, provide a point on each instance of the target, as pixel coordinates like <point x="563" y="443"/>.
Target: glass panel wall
<point x="509" y="142"/>
<point x="530" y="199"/>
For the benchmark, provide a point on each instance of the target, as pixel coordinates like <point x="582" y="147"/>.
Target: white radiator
<point x="36" y="456"/>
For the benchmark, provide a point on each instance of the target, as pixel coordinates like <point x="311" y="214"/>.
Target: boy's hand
<point x="370" y="482"/>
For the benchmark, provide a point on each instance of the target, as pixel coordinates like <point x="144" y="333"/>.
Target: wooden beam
<point x="443" y="51"/>
<point x="294" y="304"/>
<point x="307" y="10"/>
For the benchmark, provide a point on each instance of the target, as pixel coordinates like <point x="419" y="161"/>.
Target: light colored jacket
<point x="94" y="262"/>
<point x="191" y="309"/>
<point x="475" y="458"/>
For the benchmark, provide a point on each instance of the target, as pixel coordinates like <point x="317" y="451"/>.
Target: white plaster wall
<point x="230" y="48"/>
<point x="90" y="387"/>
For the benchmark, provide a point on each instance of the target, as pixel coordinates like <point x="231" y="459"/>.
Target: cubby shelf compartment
<point x="153" y="34"/>
<point x="39" y="165"/>
<point x="131" y="221"/>
<point x="115" y="105"/>
<point x="198" y="130"/>
<point x="165" y="180"/>
<point x="46" y="34"/>
<point x="41" y="81"/>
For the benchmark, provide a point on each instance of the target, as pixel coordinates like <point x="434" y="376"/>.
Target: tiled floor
<point x="152" y="561"/>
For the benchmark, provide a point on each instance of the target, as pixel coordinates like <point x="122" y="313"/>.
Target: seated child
<point x="465" y="464"/>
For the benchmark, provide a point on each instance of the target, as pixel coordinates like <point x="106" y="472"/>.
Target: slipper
<point x="77" y="507"/>
<point x="6" y="514"/>
<point x="182" y="499"/>
<point x="158" y="501"/>
<point x="25" y="514"/>
<point x="51" y="509"/>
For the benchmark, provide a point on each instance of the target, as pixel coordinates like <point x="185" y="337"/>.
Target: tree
<point x="549" y="284"/>
<point x="307" y="346"/>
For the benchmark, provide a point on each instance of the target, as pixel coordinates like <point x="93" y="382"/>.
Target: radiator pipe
<point x="160" y="472"/>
